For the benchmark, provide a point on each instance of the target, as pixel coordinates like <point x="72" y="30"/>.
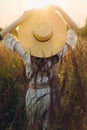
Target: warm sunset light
<point x="12" y="9"/>
<point x="39" y="3"/>
<point x="44" y="3"/>
<point x="43" y="64"/>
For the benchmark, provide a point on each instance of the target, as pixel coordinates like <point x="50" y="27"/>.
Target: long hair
<point x="45" y="65"/>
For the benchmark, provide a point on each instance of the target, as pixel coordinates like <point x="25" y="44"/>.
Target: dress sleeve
<point x="71" y="38"/>
<point x="70" y="42"/>
<point x="27" y="63"/>
<point x="11" y="43"/>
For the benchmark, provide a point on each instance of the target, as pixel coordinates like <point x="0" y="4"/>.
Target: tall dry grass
<point x="73" y="84"/>
<point x="12" y="90"/>
<point x="74" y="89"/>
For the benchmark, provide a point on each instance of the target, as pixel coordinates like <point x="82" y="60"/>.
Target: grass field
<point x="73" y="81"/>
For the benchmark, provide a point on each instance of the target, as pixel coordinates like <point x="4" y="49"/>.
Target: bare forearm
<point x="16" y="23"/>
<point x="70" y="23"/>
<point x="10" y="28"/>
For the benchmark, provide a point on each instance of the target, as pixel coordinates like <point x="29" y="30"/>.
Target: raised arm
<point x="70" y="23"/>
<point x="9" y="40"/>
<point x="16" y="23"/>
<point x="11" y="27"/>
<point x="71" y="38"/>
<point x="11" y="43"/>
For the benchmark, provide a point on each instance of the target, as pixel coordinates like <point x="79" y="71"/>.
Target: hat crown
<point x="42" y="32"/>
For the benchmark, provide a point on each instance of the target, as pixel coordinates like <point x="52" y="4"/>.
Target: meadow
<point x="72" y="78"/>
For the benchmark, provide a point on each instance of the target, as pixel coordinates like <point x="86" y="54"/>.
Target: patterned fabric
<point x="38" y="100"/>
<point x="71" y="39"/>
<point x="37" y="105"/>
<point x="10" y="42"/>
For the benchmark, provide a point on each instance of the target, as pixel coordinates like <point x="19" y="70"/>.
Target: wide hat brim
<point x="48" y="22"/>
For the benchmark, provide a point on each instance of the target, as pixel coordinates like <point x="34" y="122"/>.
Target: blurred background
<point x="72" y="74"/>
<point x="10" y="10"/>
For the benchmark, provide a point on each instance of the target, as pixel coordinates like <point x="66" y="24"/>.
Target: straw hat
<point x="43" y="32"/>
